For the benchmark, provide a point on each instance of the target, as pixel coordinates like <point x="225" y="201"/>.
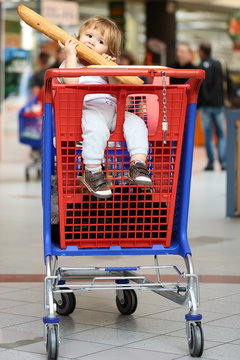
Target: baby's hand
<point x="108" y="57"/>
<point x="69" y="47"/>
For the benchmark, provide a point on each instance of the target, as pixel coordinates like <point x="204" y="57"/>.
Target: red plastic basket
<point x="136" y="216"/>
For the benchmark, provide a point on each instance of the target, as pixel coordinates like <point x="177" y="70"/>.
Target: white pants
<point x="99" y="120"/>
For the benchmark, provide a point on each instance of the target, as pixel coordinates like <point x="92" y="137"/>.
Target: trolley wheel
<point x="196" y="342"/>
<point x="52" y="343"/>
<point x="66" y="304"/>
<point x="128" y="304"/>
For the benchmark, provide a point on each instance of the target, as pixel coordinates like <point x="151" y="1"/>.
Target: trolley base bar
<point x="121" y="278"/>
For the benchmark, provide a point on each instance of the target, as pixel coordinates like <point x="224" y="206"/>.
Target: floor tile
<point x="167" y="344"/>
<point x="219" y="306"/>
<point x="232" y="322"/>
<point x="23" y="355"/>
<point x="67" y="326"/>
<point x="7" y="288"/>
<point x="220" y="334"/>
<point x="91" y="303"/>
<point x="150" y="325"/>
<point x="213" y="333"/>
<point x="237" y="342"/>
<point x="10" y="319"/>
<point x="223" y="352"/>
<point x="218" y="291"/>
<point x="179" y="315"/>
<point x="98" y="318"/>
<point x="143" y="309"/>
<point x="100" y="295"/>
<point x="12" y="338"/>
<point x="6" y="303"/>
<point x="232" y="298"/>
<point x="69" y="348"/>
<point x="127" y="353"/>
<point x="24" y="295"/>
<point x="35" y="327"/>
<point x="157" y="300"/>
<point x="115" y="337"/>
<point x="31" y="309"/>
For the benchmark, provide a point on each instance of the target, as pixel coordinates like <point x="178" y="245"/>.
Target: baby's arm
<point x="71" y="59"/>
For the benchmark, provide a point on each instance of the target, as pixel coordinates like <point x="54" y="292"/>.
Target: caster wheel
<point x="196" y="343"/>
<point x="52" y="343"/>
<point x="66" y="304"/>
<point x="128" y="305"/>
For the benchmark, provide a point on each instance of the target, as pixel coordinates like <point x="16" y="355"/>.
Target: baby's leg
<point x="136" y="136"/>
<point x="95" y="127"/>
<point x="95" y="132"/>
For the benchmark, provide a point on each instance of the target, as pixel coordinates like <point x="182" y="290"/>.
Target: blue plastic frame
<point x="179" y="244"/>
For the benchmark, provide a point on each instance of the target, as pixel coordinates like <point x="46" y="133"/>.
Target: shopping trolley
<point x="30" y="133"/>
<point x="137" y="220"/>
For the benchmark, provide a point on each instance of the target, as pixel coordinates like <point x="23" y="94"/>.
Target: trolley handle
<point x="195" y="76"/>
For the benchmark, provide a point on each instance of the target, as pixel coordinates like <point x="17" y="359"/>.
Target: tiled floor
<point x="96" y="331"/>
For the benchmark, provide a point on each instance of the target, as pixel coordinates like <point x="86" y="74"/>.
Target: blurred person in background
<point x="127" y="58"/>
<point x="37" y="81"/>
<point x="211" y="106"/>
<point x="60" y="56"/>
<point x="183" y="61"/>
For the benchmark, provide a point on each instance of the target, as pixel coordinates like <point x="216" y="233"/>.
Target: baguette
<point x="54" y="32"/>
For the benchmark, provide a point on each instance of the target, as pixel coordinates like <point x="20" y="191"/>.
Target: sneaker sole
<point x="94" y="193"/>
<point x="140" y="182"/>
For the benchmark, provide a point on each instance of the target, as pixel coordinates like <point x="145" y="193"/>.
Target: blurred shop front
<point x="151" y="30"/>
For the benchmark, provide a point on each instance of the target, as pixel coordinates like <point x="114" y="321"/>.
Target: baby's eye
<point x="101" y="42"/>
<point x="89" y="36"/>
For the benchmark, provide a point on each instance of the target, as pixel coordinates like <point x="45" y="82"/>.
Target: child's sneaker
<point x="138" y="174"/>
<point x="97" y="184"/>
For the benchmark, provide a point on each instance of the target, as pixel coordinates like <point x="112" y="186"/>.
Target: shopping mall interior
<point x="104" y="326"/>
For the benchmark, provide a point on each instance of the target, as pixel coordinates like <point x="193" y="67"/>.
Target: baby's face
<point x="93" y="39"/>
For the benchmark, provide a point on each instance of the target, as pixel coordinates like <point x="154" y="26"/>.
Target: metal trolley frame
<point x="60" y="297"/>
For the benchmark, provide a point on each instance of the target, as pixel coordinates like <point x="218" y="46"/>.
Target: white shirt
<point x="99" y="98"/>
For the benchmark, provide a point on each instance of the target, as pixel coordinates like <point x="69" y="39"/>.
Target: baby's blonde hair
<point x="102" y="24"/>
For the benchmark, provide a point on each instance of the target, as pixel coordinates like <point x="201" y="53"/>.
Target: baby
<point x="99" y="110"/>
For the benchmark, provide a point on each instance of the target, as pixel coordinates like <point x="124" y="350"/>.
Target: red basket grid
<point x="135" y="216"/>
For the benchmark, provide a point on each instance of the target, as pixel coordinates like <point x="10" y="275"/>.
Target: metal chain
<point x="164" y="92"/>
